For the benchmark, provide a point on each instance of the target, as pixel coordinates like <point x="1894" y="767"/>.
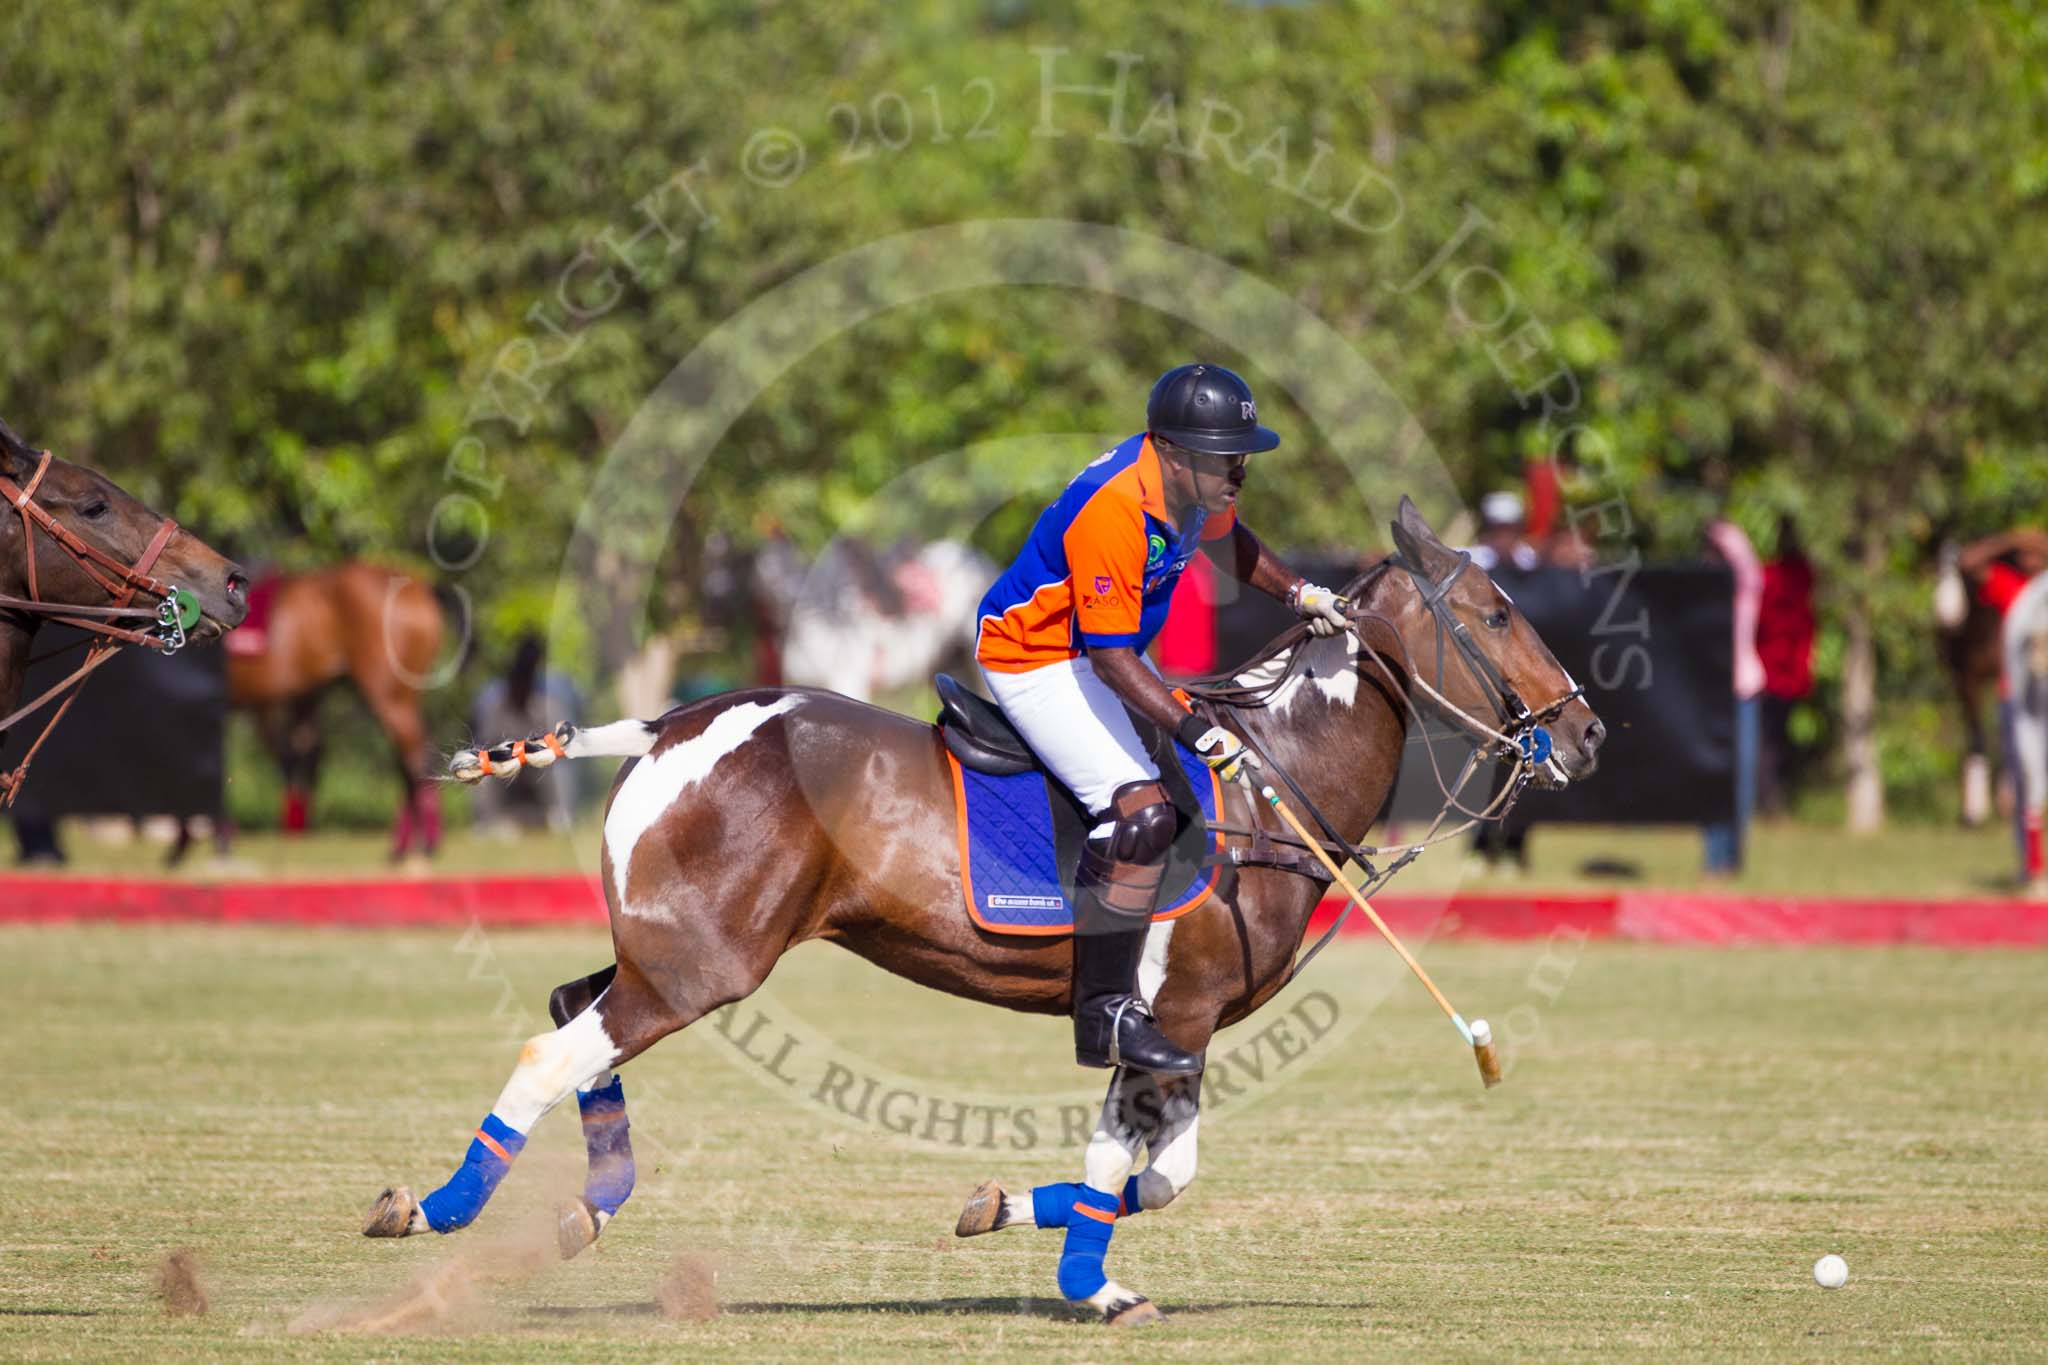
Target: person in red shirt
<point x="1784" y="642"/>
<point x="1998" y="568"/>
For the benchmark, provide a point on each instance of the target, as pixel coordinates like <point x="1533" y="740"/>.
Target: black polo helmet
<point x="1208" y="409"/>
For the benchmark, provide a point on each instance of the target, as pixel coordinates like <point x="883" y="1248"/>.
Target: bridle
<point x="1518" y="732"/>
<point x="1517" y="735"/>
<point x="176" y="610"/>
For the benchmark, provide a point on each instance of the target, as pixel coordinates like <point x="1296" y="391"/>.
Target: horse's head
<point x="115" y="531"/>
<point x="1465" y="640"/>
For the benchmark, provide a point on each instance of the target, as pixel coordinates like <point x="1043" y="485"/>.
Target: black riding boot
<point x="1112" y="1027"/>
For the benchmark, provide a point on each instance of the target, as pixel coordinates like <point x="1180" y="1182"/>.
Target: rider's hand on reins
<point x="1223" y="751"/>
<point x="1319" y="606"/>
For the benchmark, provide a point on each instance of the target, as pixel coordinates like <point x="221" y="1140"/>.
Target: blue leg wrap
<point x="457" y="1203"/>
<point x="605" y="1133"/>
<point x="1053" y="1205"/>
<point x="1091" y="1221"/>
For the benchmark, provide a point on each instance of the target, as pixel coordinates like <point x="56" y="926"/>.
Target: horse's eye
<point x="93" y="511"/>
<point x="1498" y="621"/>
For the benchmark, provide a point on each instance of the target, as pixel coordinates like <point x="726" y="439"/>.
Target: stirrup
<point x="1116" y="1027"/>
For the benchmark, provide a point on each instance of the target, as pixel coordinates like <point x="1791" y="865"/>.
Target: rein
<point x="175" y="612"/>
<point x="1518" y="736"/>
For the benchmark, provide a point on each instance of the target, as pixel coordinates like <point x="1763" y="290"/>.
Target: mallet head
<point x="1482" y="1048"/>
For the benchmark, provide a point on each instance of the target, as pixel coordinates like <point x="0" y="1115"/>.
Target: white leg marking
<point x="1173" y="1158"/>
<point x="1114" y="1148"/>
<point x="1152" y="966"/>
<point x="655" y="785"/>
<point x="552" y="1066"/>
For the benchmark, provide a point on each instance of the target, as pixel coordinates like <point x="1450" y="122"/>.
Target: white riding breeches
<point x="1078" y="728"/>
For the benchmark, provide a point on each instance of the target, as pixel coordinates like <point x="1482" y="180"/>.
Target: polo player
<point x="1062" y="645"/>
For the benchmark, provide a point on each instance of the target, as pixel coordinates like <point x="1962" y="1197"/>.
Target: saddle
<point x="981" y="740"/>
<point x="1021" y="830"/>
<point x="978" y="733"/>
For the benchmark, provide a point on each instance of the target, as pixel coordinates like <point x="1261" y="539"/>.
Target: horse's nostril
<point x="1595" y="733"/>
<point x="238" y="588"/>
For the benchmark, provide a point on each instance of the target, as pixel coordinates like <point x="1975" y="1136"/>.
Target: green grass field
<point x="1786" y="858"/>
<point x="1681" y="1134"/>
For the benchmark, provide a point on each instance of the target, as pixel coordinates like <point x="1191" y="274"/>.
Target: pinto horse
<point x="77" y="549"/>
<point x="380" y="629"/>
<point x="760" y="819"/>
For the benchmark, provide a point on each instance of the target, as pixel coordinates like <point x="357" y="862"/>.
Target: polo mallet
<point x="1476" y="1033"/>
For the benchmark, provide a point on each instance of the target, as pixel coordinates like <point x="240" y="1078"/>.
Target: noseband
<point x="176" y="610"/>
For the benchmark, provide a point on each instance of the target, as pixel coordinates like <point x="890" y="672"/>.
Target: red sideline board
<point x="1635" y="916"/>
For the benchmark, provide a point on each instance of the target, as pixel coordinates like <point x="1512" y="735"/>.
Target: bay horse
<point x="757" y="820"/>
<point x="77" y="549"/>
<point x="376" y="627"/>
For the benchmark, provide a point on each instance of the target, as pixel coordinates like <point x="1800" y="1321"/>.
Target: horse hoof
<point x="985" y="1211"/>
<point x="395" y="1214"/>
<point x="1135" y="1312"/>
<point x="576" y="1227"/>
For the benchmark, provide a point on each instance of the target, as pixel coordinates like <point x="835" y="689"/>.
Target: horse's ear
<point x="1413" y="536"/>
<point x="14" y="454"/>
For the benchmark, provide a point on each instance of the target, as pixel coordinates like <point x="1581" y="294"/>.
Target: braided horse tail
<point x="504" y="761"/>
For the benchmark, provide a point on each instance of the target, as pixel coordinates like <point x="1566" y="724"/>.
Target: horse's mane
<point x="1258" y="677"/>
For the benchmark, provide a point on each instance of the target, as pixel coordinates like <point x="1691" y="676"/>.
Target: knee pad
<point x="1145" y="823"/>
<point x="1126" y="870"/>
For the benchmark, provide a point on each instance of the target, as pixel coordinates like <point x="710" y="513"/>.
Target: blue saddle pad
<point x="1021" y="836"/>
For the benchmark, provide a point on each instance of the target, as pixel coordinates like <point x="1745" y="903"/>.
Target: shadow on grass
<point x="49" y="1312"/>
<point x="1056" y="1309"/>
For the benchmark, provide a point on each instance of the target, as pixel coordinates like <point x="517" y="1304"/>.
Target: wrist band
<point x="1189" y="732"/>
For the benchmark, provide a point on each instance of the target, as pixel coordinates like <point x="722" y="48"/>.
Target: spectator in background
<point x="2001" y="566"/>
<point x="1784" y="644"/>
<point x="1503" y="544"/>
<point x="37" y="835"/>
<point x="2023" y="670"/>
<point x="1726" y="542"/>
<point x="776" y="578"/>
<point x="526" y="701"/>
<point x="1503" y="534"/>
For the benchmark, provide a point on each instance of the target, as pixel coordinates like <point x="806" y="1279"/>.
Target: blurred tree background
<point x="270" y="264"/>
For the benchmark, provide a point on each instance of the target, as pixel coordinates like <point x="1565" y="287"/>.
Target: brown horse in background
<point x="377" y="627"/>
<point x="757" y="820"/>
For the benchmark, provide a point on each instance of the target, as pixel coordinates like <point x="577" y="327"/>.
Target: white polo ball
<point x="1831" y="1272"/>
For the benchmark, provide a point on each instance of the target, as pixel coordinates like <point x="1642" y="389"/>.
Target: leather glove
<point x="1321" y="608"/>
<point x="1223" y="751"/>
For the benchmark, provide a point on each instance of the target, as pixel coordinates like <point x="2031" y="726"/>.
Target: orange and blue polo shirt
<point x="1098" y="569"/>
